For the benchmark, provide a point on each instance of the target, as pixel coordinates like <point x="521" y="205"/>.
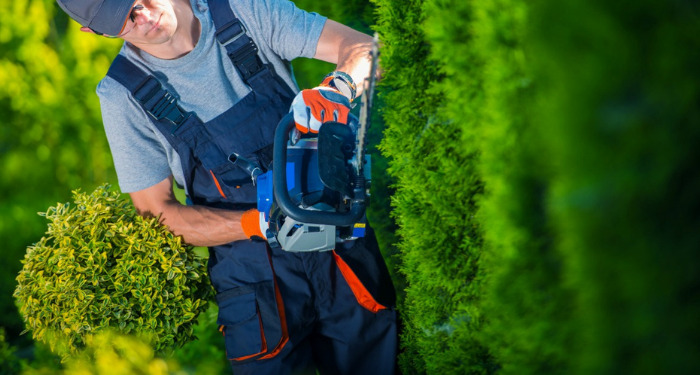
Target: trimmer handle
<point x="281" y="190"/>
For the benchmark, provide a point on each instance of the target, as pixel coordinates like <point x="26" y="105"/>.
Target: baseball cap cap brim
<point x="102" y="16"/>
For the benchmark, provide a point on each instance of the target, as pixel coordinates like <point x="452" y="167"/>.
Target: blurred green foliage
<point x="622" y="120"/>
<point x="9" y="363"/>
<point x="107" y="352"/>
<point x="112" y="353"/>
<point x="52" y="139"/>
<point x="528" y="329"/>
<point x="205" y="354"/>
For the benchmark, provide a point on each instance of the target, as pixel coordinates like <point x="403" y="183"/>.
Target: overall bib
<point x="279" y="312"/>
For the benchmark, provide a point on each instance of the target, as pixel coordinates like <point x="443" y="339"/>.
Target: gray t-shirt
<point x="205" y="80"/>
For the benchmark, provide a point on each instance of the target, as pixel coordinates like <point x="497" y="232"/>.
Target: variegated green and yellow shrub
<point x="102" y="265"/>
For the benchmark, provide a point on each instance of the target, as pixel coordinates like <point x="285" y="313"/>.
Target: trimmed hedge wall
<point x="544" y="162"/>
<point x="434" y="205"/>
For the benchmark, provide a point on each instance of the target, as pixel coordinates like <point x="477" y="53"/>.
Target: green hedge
<point x="435" y="202"/>
<point x="543" y="156"/>
<point x="527" y="304"/>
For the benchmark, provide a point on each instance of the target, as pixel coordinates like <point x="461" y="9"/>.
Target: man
<point x="198" y="81"/>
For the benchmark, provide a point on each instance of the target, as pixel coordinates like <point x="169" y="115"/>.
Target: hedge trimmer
<point x="318" y="189"/>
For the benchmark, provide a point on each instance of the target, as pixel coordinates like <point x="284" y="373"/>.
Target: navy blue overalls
<point x="279" y="312"/>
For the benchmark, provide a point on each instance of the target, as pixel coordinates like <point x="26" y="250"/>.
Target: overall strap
<point x="184" y="130"/>
<point x="240" y="48"/>
<point x="157" y="101"/>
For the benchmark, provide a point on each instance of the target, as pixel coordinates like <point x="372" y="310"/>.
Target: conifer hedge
<point x="434" y="204"/>
<point x="544" y="162"/>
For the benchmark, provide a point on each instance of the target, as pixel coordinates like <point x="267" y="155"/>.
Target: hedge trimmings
<point x="101" y="265"/>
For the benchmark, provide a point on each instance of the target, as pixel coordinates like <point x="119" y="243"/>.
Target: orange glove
<point x="254" y="224"/>
<point x="328" y="102"/>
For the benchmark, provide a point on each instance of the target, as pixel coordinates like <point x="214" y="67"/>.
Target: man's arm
<point x="348" y="48"/>
<point x="198" y="225"/>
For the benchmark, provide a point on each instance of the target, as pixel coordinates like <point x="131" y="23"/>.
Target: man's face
<point x="154" y="23"/>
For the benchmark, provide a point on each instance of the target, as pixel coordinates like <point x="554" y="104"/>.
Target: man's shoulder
<point x="110" y="84"/>
<point x="110" y="88"/>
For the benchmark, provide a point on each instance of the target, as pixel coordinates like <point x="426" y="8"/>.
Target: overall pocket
<point x="234" y="183"/>
<point x="241" y="324"/>
<point x="252" y="321"/>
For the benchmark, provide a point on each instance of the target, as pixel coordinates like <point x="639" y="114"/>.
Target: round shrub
<point x="101" y="265"/>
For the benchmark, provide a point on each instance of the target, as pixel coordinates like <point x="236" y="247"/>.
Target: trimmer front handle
<point x="292" y="209"/>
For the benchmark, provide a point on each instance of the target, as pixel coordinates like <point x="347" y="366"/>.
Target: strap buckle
<point x="246" y="59"/>
<point x="167" y="108"/>
<point x="159" y="103"/>
<point x="230" y="32"/>
<point x="240" y="48"/>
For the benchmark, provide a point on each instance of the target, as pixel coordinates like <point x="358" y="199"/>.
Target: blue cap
<point x="102" y="16"/>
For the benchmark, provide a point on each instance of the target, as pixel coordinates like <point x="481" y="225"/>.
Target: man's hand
<point x="313" y="107"/>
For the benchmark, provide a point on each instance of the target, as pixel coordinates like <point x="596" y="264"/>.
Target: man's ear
<point x="86" y="30"/>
